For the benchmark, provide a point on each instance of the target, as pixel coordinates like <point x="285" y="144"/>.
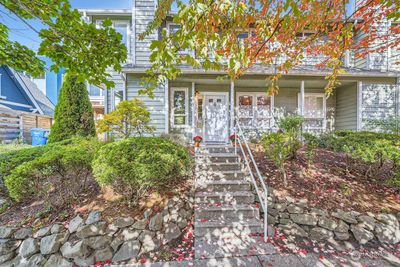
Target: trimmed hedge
<point x="133" y="165"/>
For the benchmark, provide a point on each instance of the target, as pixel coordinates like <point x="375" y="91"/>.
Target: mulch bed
<point x="331" y="183"/>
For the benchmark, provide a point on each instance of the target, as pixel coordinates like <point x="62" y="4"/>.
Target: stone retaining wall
<point x="294" y="217"/>
<point x="84" y="242"/>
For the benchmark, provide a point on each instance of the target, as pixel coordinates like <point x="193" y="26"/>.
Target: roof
<point x="37" y="97"/>
<point x="93" y="12"/>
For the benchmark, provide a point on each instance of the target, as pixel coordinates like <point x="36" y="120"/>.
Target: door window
<point x="180" y="107"/>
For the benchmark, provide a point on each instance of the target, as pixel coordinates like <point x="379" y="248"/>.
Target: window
<point x="122" y="27"/>
<point x="254" y="109"/>
<point x="180" y="102"/>
<point x="314" y="106"/>
<point x="95" y="90"/>
<point x="117" y="96"/>
<point x="173" y="28"/>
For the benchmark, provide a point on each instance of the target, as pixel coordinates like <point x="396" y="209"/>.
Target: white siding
<point x="346" y="107"/>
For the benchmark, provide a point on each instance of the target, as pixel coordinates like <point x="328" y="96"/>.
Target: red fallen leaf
<point x="143" y="260"/>
<point x="203" y="220"/>
<point x="321" y="258"/>
<point x="147" y="221"/>
<point x="180" y="258"/>
<point x="107" y="261"/>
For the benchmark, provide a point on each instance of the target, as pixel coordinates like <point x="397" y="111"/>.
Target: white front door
<point x="215" y="112"/>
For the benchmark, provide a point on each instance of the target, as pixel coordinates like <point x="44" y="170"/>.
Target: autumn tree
<point x="234" y="35"/>
<point x="69" y="41"/>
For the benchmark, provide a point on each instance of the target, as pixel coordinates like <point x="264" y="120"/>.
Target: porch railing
<point x="256" y="176"/>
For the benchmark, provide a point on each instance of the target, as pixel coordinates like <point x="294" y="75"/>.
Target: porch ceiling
<point x="283" y="82"/>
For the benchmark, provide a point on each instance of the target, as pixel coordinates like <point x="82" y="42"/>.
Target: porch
<point x="203" y="105"/>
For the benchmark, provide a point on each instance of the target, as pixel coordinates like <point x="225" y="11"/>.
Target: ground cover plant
<point x="340" y="170"/>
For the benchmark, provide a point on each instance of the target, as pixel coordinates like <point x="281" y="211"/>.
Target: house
<point x="196" y="103"/>
<point x="22" y="106"/>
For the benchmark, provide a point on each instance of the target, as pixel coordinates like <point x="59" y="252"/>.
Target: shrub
<point x="73" y="114"/>
<point x="278" y="148"/>
<point x="389" y="125"/>
<point x="291" y="125"/>
<point x="128" y="119"/>
<point x="59" y="174"/>
<point x="133" y="165"/>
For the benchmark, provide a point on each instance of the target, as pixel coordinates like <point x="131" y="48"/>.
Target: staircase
<point x="224" y="199"/>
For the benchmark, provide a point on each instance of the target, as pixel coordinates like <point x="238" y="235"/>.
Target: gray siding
<point x="156" y="105"/>
<point x="143" y="14"/>
<point x="346" y="107"/>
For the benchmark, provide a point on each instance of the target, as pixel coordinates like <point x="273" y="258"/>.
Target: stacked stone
<point x="85" y="242"/>
<point x="296" y="218"/>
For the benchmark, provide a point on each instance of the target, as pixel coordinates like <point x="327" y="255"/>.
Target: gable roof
<point x="39" y="100"/>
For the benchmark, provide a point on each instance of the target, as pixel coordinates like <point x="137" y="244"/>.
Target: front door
<point x="215" y="110"/>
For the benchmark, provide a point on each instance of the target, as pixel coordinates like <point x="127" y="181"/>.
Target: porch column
<point x="302" y="98"/>
<point x="166" y="100"/>
<point x="232" y="106"/>
<point x="359" y="105"/>
<point x="193" y="110"/>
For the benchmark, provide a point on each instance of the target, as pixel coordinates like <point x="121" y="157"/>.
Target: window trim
<point x="323" y="104"/>
<point x="113" y="106"/>
<point x="254" y="105"/>
<point x="128" y="31"/>
<point x="179" y="89"/>
<point x="181" y="51"/>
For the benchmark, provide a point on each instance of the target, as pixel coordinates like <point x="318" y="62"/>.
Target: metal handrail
<point x="263" y="198"/>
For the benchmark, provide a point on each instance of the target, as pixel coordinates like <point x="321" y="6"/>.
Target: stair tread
<point x="225" y="182"/>
<point x="225" y="207"/>
<point x="223" y="194"/>
<point x="219" y="155"/>
<point x="205" y="223"/>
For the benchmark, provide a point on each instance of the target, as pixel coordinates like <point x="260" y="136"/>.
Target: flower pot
<point x="196" y="144"/>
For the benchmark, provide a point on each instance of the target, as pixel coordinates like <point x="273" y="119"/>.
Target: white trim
<point x="359" y="105"/>
<point x="301" y="100"/>
<point x="128" y="31"/>
<point x="226" y="94"/>
<point x="16" y="104"/>
<point x="194" y="109"/>
<point x="254" y="95"/>
<point x="181" y="89"/>
<point x="133" y="33"/>
<point x="113" y="106"/>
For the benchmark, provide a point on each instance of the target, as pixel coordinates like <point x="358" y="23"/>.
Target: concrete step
<point x="220" y="166"/>
<point x="214" y="228"/>
<point x="239" y="197"/>
<point x="217" y="158"/>
<point x="216" y="149"/>
<point x="223" y="186"/>
<point x="222" y="175"/>
<point x="240" y="211"/>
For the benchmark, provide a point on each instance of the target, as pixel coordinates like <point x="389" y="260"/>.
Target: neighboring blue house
<point x="50" y="83"/>
<point x="18" y="92"/>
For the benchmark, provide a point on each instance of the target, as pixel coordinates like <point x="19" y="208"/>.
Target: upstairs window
<point x="95" y="91"/>
<point x="122" y="27"/>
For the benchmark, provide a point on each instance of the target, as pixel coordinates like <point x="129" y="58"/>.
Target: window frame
<point x="186" y="101"/>
<point x="323" y="105"/>
<point x="180" y="51"/>
<point x="113" y="91"/>
<point x="254" y="106"/>
<point x="128" y="31"/>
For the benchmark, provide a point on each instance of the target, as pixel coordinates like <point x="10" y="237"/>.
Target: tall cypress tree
<point x="73" y="114"/>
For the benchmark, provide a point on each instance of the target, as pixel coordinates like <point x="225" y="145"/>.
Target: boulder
<point x="88" y="261"/>
<point x="59" y="261"/>
<point x="36" y="260"/>
<point x="319" y="212"/>
<point x="51" y="244"/>
<point x="342" y="235"/>
<point x="145" y="233"/>
<point x="302" y="203"/>
<point x="149" y="243"/>
<point x="91" y="230"/>
<point x="182" y="224"/>
<point x="98" y="242"/>
<point x="342" y="227"/>
<point x="103" y="254"/>
<point x="42" y="232"/>
<point x="361" y="234"/>
<point x="387" y="233"/>
<point x="280" y="206"/>
<point x="305" y="219"/>
<point x="77" y="250"/>
<point x="327" y="223"/>
<point x="128" y="250"/>
<point x="29" y="247"/>
<point x="6" y="232"/>
<point x="293" y="230"/>
<point x="8" y="246"/>
<point x="56" y="228"/>
<point x="7" y="257"/>
<point x="117" y="241"/>
<point x="129" y="234"/>
<point x="348" y="217"/>
<point x="273" y="212"/>
<point x="156" y="222"/>
<point x="123" y="222"/>
<point x="172" y="231"/>
<point x="318" y="233"/>
<point x="94" y="217"/>
<point x="23" y="233"/>
<point x="388" y="219"/>
<point x="147" y="213"/>
<point x="75" y="223"/>
<point x="292" y="208"/>
<point x="367" y="222"/>
<point x="140" y="225"/>
<point x="285" y="221"/>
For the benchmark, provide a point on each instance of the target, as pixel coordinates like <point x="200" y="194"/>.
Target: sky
<point x="21" y="33"/>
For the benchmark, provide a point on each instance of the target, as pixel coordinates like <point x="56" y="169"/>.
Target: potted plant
<point x="197" y="140"/>
<point x="234" y="139"/>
